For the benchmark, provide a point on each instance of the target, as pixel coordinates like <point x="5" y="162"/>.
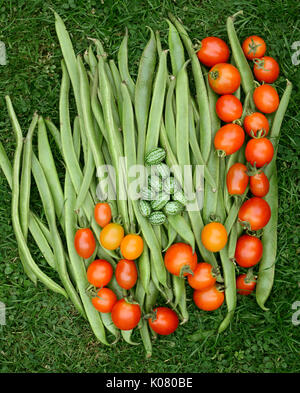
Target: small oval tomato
<point x="102" y="214"/>
<point x="259" y="185"/>
<point x="254" y="47"/>
<point x="165" y="321"/>
<point x="180" y="259"/>
<point x="213" y="51"/>
<point x="132" y="246"/>
<point x="237" y="179"/>
<point x="84" y="242"/>
<point x="99" y="273"/>
<point x="244" y="286"/>
<point x="125" y="315"/>
<point x="208" y="299"/>
<point x="105" y="300"/>
<point x="256" y="122"/>
<point x="224" y="78"/>
<point x="256" y="211"/>
<point x="248" y="250"/>
<point x="229" y="138"/>
<point x="266" y="69"/>
<point x="214" y="236"/>
<point x="126" y="273"/>
<point x="266" y="98"/>
<point x="111" y="236"/>
<point x="229" y="108"/>
<point x="259" y="152"/>
<point x="203" y="276"/>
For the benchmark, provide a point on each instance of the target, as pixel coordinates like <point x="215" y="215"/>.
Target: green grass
<point x="43" y="331"/>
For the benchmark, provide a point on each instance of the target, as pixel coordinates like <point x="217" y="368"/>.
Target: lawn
<point x="43" y="332"/>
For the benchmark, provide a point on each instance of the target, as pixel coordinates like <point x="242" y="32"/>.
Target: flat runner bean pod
<point x="55" y="134"/>
<point x="201" y="93"/>
<point x="266" y="271"/>
<point x="123" y="65"/>
<point x="169" y="114"/>
<point x="183" y="229"/>
<point x="176" y="49"/>
<point x="117" y="82"/>
<point x="22" y="245"/>
<point x="230" y="288"/>
<point x="143" y="91"/>
<point x="240" y="59"/>
<point x="144" y="331"/>
<point x="157" y="103"/>
<point x="47" y="163"/>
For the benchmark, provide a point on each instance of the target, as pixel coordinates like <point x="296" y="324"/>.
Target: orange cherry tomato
<point x="126" y="273"/>
<point x="259" y="185"/>
<point x="248" y="251"/>
<point x="209" y="299"/>
<point x="180" y="258"/>
<point x="256" y="211"/>
<point x="229" y="108"/>
<point x="229" y="138"/>
<point x="256" y="122"/>
<point x="84" y="242"/>
<point x="237" y="179"/>
<point x="259" y="151"/>
<point x="254" y="47"/>
<point x="266" y="98"/>
<point x="165" y="322"/>
<point x="111" y="236"/>
<point x="214" y="236"/>
<point x="99" y="273"/>
<point x="132" y="246"/>
<point x="102" y="214"/>
<point x="124" y="315"/>
<point x="213" y="51"/>
<point x="105" y="300"/>
<point x="266" y="69"/>
<point x="224" y="78"/>
<point x="203" y="276"/>
<point x="244" y="286"/>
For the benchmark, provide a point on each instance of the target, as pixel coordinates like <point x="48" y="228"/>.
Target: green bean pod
<point x="183" y="229"/>
<point x="151" y="297"/>
<point x="55" y="134"/>
<point x="176" y="49"/>
<point x="22" y="244"/>
<point x="157" y="104"/>
<point x="123" y="65"/>
<point x="169" y="115"/>
<point x="144" y="331"/>
<point x="266" y="271"/>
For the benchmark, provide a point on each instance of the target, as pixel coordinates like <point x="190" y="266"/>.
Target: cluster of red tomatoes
<point x="224" y="79"/>
<point x="181" y="261"/>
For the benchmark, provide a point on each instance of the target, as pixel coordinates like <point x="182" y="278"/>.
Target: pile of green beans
<point x="117" y="116"/>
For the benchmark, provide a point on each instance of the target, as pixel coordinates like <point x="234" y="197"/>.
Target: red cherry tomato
<point x="125" y="315"/>
<point x="208" y="299"/>
<point x="99" y="273"/>
<point x="84" y="242"/>
<point x="229" y="108"/>
<point x="102" y="214"/>
<point x="213" y="51"/>
<point x="244" y="286"/>
<point x="266" y="69"/>
<point x="248" y="251"/>
<point x="256" y="122"/>
<point x="126" y="273"/>
<point x="224" y="78"/>
<point x="266" y="98"/>
<point x="254" y="47"/>
<point x="180" y="258"/>
<point x="237" y="179"/>
<point x="259" y="185"/>
<point x="203" y="277"/>
<point x="105" y="300"/>
<point x="165" y="321"/>
<point x="259" y="152"/>
<point x="256" y="211"/>
<point x="229" y="138"/>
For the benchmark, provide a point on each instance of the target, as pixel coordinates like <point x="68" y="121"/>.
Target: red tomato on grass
<point x="254" y="47"/>
<point x="224" y="78"/>
<point x="203" y="276"/>
<point x="209" y="299"/>
<point x="229" y="108"/>
<point x="248" y="251"/>
<point x="213" y="51"/>
<point x="124" y="315"/>
<point x="256" y="211"/>
<point x="180" y="258"/>
<point x="165" y="322"/>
